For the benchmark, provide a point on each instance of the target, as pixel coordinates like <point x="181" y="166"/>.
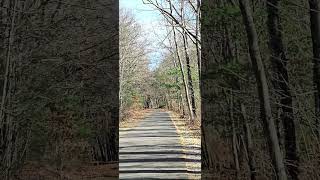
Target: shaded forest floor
<point x="35" y="171"/>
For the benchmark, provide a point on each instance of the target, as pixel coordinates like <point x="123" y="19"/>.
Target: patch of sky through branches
<point x="152" y="26"/>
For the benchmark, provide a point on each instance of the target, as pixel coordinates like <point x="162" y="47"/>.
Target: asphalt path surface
<point x="152" y="150"/>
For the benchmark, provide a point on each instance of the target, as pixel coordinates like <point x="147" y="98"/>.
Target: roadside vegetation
<point x="260" y="89"/>
<point x="59" y="89"/>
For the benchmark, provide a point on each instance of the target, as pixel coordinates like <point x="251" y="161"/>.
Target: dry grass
<point x="190" y="136"/>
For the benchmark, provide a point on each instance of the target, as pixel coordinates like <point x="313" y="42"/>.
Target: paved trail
<point x="152" y="150"/>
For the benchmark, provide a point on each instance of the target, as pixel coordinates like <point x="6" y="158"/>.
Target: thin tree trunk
<point x="315" y="33"/>
<point x="281" y="83"/>
<point x="234" y="138"/>
<point x="179" y="95"/>
<point x="182" y="71"/>
<point x="6" y="122"/>
<point x="184" y="80"/>
<point x="263" y="91"/>
<point x="185" y="46"/>
<point x="189" y="79"/>
<point x="197" y="35"/>
<point x="8" y="63"/>
<point x="249" y="143"/>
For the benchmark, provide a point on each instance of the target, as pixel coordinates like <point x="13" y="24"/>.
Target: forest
<point x="59" y="84"/>
<point x="252" y="79"/>
<point x="260" y="89"/>
<point x="174" y="84"/>
<point x="246" y="72"/>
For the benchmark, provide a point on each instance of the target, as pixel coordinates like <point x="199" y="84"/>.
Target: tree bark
<point x="281" y="82"/>
<point x="249" y="143"/>
<point x="187" y="57"/>
<point x="182" y="70"/>
<point x="234" y="138"/>
<point x="263" y="90"/>
<point x="198" y="45"/>
<point x="7" y="125"/>
<point x="179" y="95"/>
<point x="315" y="33"/>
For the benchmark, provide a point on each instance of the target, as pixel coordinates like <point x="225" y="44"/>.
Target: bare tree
<point x="263" y="90"/>
<point x="133" y="62"/>
<point x="187" y="57"/>
<point x="182" y="71"/>
<point x="281" y="82"/>
<point x="249" y="143"/>
<point x="175" y="14"/>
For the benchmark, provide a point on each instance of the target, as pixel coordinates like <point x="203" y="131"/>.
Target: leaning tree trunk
<point x="185" y="85"/>
<point x="190" y="82"/>
<point x="281" y="82"/>
<point x="315" y="33"/>
<point x="179" y="93"/>
<point x="263" y="90"/>
<point x="187" y="57"/>
<point x="7" y="126"/>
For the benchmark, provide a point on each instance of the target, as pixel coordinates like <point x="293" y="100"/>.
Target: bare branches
<point x="171" y="16"/>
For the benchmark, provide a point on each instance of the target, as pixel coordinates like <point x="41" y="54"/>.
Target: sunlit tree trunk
<point x="189" y="76"/>
<point x="185" y="84"/>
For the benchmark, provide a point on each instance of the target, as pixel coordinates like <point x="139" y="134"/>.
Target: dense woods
<point x="252" y="80"/>
<point x="259" y="89"/>
<point x="59" y="83"/>
<point x="258" y="73"/>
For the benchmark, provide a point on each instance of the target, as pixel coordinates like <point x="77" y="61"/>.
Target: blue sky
<point x="144" y="13"/>
<point x="150" y="22"/>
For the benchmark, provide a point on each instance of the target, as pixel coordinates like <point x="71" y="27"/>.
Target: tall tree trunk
<point x="8" y="63"/>
<point x="7" y="125"/>
<point x="184" y="80"/>
<point x="234" y="138"/>
<point x="281" y="83"/>
<point x="198" y="45"/>
<point x="185" y="85"/>
<point x="179" y="95"/>
<point x="263" y="90"/>
<point x="189" y="77"/>
<point x="315" y="33"/>
<point x="186" y="47"/>
<point x="249" y="143"/>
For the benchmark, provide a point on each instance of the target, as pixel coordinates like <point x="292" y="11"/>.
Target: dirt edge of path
<point x="189" y="136"/>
